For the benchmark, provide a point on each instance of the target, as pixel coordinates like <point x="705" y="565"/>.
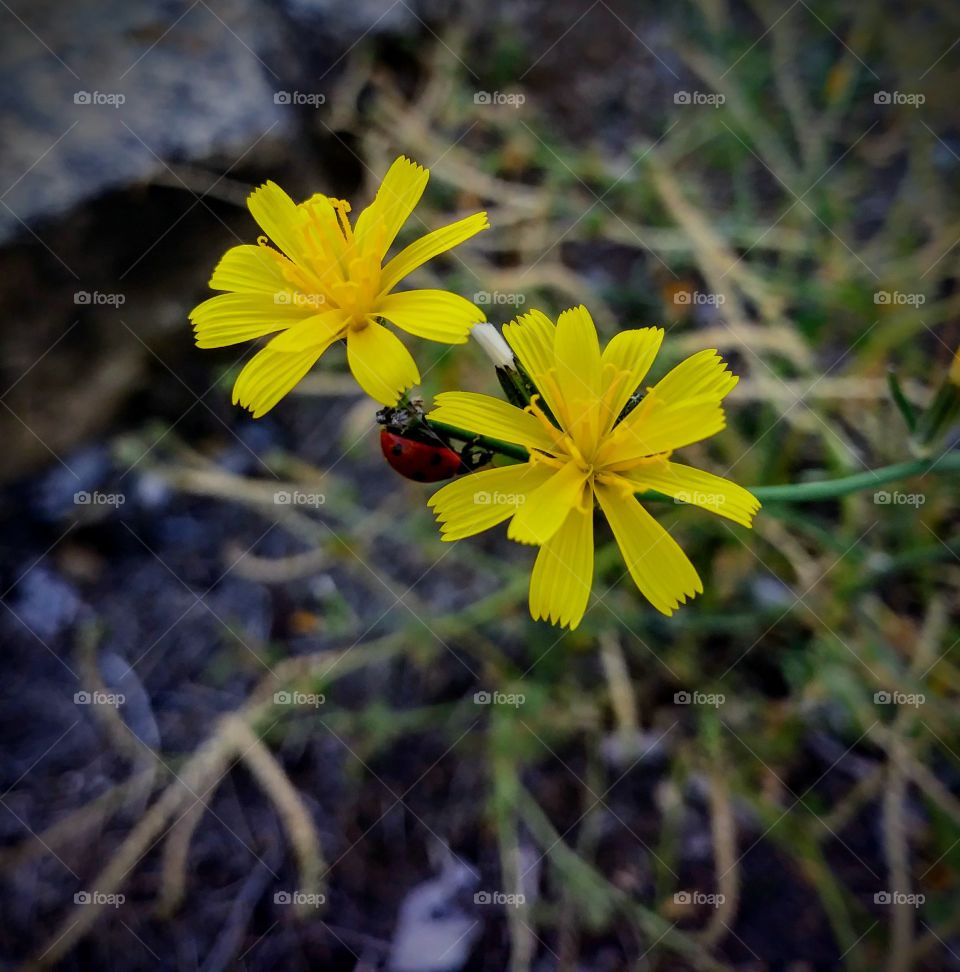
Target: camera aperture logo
<point x="714" y="699"/>
<point x="296" y="299"/>
<point x="112" y="98"/>
<point x="299" y="899"/>
<point x="315" y="699"/>
<point x="99" y="898"/>
<point x="96" y="697"/>
<point x="515" y="699"/>
<point x="297" y="497"/>
<point x="512" y="98"/>
<point x="712" y="98"/>
<point x="86" y="498"/>
<point x="897" y="498"/>
<point x="499" y="898"/>
<point x="710" y="500"/>
<point x="484" y="498"/>
<point x="912" y="699"/>
<point x="697" y="297"/>
<point x="499" y="298"/>
<point x="899" y="898"/>
<point x="911" y="98"/>
<point x="897" y="298"/>
<point x="698" y="898"/>
<point x="97" y="298"/>
<point x="313" y="99"/>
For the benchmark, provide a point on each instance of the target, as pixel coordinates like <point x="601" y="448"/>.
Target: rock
<point x="109" y="109"/>
<point x="46" y="603"/>
<point x="118" y="88"/>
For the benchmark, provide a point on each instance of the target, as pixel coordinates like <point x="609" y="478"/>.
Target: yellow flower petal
<point x="401" y="189"/>
<point x="702" y="375"/>
<point x="658" y="566"/>
<point x="232" y="318"/>
<point x="659" y="428"/>
<point x="698" y="488"/>
<point x="250" y="269"/>
<point x="483" y="499"/>
<point x="280" y="218"/>
<point x="322" y="329"/>
<point x="531" y="336"/>
<point x="563" y="573"/>
<point x="433" y="314"/>
<point x="626" y="360"/>
<point x="270" y="374"/>
<point x="539" y="518"/>
<point x="484" y="415"/>
<point x="429" y="246"/>
<point x="682" y="408"/>
<point x="576" y="352"/>
<point x="381" y="364"/>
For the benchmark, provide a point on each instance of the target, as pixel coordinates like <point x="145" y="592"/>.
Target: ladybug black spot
<point x="436" y="459"/>
<point x="397" y="449"/>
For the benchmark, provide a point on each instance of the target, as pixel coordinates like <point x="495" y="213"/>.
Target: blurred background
<point x="244" y="733"/>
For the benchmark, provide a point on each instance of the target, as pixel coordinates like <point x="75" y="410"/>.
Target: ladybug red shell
<point x="423" y="462"/>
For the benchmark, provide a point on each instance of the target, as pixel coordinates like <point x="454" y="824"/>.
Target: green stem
<point x="844" y="485"/>
<point x="811" y="492"/>
<point x="494" y="445"/>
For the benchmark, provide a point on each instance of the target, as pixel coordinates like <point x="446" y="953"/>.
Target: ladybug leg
<point x="472" y="457"/>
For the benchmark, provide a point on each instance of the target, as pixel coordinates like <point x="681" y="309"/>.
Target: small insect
<point x="419" y="452"/>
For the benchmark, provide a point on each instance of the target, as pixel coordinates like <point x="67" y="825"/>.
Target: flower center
<point x="566" y="448"/>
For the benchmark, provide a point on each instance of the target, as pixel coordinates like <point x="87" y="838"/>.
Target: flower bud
<point x="489" y="338"/>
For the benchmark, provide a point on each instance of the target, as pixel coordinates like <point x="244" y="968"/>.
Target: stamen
<point x="535" y="410"/>
<point x="613" y="389"/>
<point x="538" y="458"/>
<point x="615" y="481"/>
<point x="341" y="207"/>
<point x="585" y="502"/>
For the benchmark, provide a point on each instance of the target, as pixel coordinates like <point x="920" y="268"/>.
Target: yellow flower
<point x="587" y="454"/>
<point x="327" y="281"/>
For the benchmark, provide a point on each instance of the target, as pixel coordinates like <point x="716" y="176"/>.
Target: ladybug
<point x="425" y="462"/>
<point x="419" y="452"/>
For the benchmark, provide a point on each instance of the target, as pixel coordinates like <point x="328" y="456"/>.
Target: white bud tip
<point x="489" y="338"/>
